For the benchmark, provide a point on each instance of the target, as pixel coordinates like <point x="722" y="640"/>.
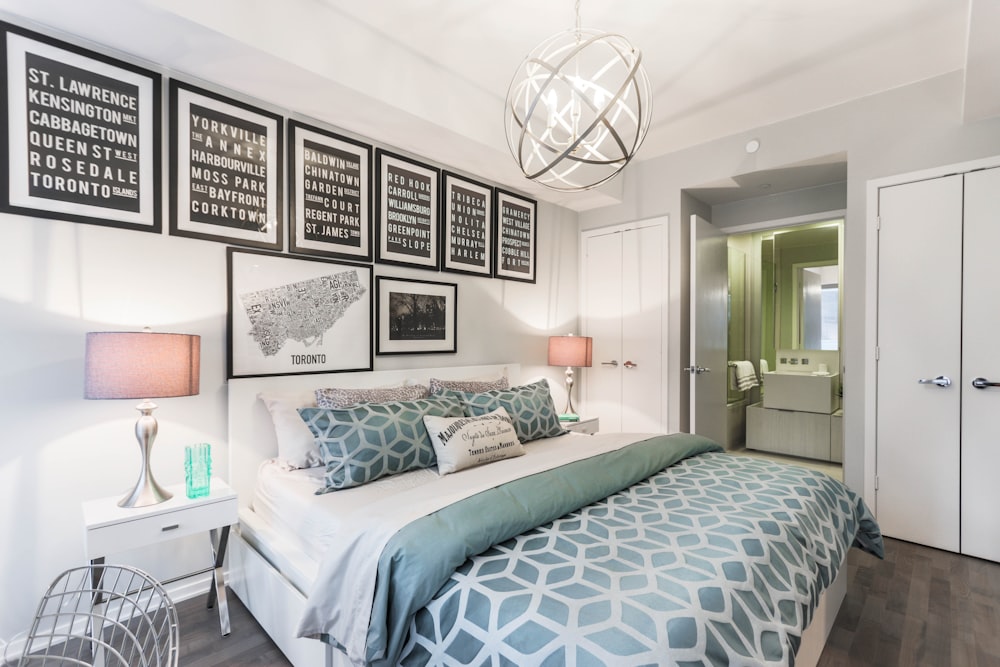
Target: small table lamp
<point x="570" y="351"/>
<point x="142" y="365"/>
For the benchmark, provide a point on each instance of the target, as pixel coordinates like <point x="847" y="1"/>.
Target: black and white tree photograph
<point x="415" y="316"/>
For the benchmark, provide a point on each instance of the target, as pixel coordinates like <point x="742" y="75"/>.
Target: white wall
<point x="914" y="127"/>
<point x="62" y="279"/>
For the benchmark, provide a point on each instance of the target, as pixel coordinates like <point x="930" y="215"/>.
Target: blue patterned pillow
<point x="530" y="407"/>
<point x="362" y="443"/>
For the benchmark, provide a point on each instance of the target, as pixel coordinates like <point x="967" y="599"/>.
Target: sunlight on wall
<point x="18" y="283"/>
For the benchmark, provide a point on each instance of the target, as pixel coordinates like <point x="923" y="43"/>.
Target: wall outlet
<point x="784" y="360"/>
<point x="793" y="361"/>
<point x="805" y="360"/>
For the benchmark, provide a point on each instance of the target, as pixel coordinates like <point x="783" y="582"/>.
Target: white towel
<point x="745" y="375"/>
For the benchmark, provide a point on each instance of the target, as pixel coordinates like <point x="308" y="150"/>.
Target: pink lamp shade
<point x="571" y="351"/>
<point x="141" y="365"/>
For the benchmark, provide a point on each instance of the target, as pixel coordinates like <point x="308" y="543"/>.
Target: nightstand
<point x="112" y="529"/>
<point x="589" y="426"/>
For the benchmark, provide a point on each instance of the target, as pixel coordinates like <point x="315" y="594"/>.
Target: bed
<point x="613" y="549"/>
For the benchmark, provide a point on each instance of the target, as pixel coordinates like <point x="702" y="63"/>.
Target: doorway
<point x="783" y="308"/>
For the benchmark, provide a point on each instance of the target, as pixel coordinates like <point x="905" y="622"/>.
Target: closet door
<point x="642" y="330"/>
<point x="602" y="315"/>
<point x="623" y="274"/>
<point x="981" y="359"/>
<point x="919" y="361"/>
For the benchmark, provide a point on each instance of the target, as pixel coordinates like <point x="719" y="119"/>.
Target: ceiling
<point x="429" y="77"/>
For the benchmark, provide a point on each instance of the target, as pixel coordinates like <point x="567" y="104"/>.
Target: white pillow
<point x="464" y="442"/>
<point x="296" y="445"/>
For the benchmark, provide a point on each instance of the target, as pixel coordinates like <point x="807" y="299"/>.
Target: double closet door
<point x="623" y="292"/>
<point x="938" y="356"/>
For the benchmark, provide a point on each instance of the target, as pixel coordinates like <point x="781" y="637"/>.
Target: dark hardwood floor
<point x="203" y="646"/>
<point x="918" y="607"/>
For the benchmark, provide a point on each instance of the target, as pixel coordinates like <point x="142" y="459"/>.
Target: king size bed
<point x="493" y="538"/>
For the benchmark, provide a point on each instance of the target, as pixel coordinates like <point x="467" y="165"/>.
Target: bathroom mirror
<point x="801" y="270"/>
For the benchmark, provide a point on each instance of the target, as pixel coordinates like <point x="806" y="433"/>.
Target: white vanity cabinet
<point x="837" y="436"/>
<point x="791" y="432"/>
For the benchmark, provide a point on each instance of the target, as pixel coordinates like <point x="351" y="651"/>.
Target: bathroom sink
<point x="804" y="391"/>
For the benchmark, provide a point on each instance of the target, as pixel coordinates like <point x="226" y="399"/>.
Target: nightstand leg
<point x="96" y="598"/>
<point x="218" y="590"/>
<point x="95" y="580"/>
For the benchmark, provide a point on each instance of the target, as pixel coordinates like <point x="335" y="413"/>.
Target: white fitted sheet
<point x="286" y="501"/>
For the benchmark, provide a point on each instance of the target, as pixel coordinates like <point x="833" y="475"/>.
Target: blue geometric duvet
<point x="716" y="560"/>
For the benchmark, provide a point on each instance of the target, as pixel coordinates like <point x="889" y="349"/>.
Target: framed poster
<point x="330" y="203"/>
<point x="290" y="315"/>
<point x="82" y="134"/>
<point x="466" y="226"/>
<point x="415" y="316"/>
<point x="515" y="237"/>
<point x="407" y="226"/>
<point x="225" y="169"/>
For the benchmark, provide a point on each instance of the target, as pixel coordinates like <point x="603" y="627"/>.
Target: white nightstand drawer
<point x="146" y="530"/>
<point x="587" y="426"/>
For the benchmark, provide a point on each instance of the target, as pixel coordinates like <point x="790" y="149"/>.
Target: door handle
<point x="629" y="364"/>
<point x="613" y="362"/>
<point x="941" y="381"/>
<point x="983" y="383"/>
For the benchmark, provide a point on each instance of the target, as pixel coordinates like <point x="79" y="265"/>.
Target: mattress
<point x="286" y="502"/>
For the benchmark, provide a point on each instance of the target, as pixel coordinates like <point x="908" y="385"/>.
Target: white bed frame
<point x="262" y="578"/>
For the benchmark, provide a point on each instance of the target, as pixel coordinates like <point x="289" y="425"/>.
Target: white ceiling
<point x="429" y="77"/>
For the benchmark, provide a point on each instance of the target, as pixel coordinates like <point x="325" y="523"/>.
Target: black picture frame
<point x="407" y="223"/>
<point x="516" y="237"/>
<point x="415" y="316"/>
<point x="330" y="203"/>
<point x="466" y="225"/>
<point x="290" y="315"/>
<point x="225" y="169"/>
<point x="81" y="134"/>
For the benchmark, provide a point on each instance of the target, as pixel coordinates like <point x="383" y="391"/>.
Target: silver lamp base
<point x="146" y="491"/>
<point x="569" y="411"/>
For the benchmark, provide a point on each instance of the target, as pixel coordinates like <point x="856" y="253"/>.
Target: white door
<point x="981" y="359"/>
<point x="623" y="276"/>
<point x="919" y="361"/>
<point x="602" y="320"/>
<point x="708" y="367"/>
<point x="643" y="281"/>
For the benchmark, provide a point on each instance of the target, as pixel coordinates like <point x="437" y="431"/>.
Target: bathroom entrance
<point x="784" y="305"/>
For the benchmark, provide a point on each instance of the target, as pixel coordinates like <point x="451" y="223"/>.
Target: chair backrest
<point x="116" y="614"/>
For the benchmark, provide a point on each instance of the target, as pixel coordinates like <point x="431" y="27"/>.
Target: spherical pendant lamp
<point x="578" y="109"/>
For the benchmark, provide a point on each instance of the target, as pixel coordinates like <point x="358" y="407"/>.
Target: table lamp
<point x="570" y="351"/>
<point x="142" y="365"/>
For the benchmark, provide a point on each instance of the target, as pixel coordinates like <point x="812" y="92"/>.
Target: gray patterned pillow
<point x="438" y="385"/>
<point x="341" y="397"/>
<point x="365" y="442"/>
<point x="530" y="407"/>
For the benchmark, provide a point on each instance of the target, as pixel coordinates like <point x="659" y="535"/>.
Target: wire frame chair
<point x="107" y="615"/>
